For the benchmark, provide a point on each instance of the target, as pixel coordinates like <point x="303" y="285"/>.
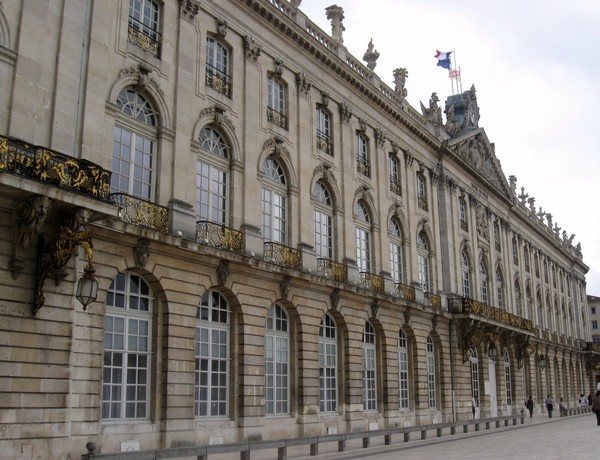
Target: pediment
<point x="475" y="151"/>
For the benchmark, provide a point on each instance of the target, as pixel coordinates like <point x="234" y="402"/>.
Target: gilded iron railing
<point x="434" y="300"/>
<point x="371" y="281"/>
<point x="545" y="335"/>
<point x="43" y="165"/>
<point x="395" y="186"/>
<point x="283" y="255"/>
<point x="324" y="143"/>
<point x="219" y="236"/>
<point x="406" y="292"/>
<point x="362" y="166"/>
<point x="218" y="81"/>
<point x="276" y="117"/>
<point x="141" y="212"/>
<point x="144" y="38"/>
<point x="465" y="305"/>
<point x="332" y="270"/>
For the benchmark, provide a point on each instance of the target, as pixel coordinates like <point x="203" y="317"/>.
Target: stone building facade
<point x="282" y="245"/>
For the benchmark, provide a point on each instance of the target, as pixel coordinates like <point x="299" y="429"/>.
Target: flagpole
<point x="455" y="67"/>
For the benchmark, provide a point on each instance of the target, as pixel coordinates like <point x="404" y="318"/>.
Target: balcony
<point x="143" y="37"/>
<point x="332" y="270"/>
<point x="371" y="282"/>
<point x="405" y="292"/>
<point x="434" y="300"/>
<point x="277" y="118"/>
<point x="324" y="143"/>
<point x="141" y="212"/>
<point x="53" y="168"/>
<point x="218" y="81"/>
<point x="395" y="186"/>
<point x="283" y="255"/>
<point x="362" y="166"/>
<point x="219" y="236"/>
<point x="465" y="305"/>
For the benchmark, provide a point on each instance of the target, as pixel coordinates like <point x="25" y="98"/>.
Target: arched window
<point x="518" y="299"/>
<point x="474" y="360"/>
<point x="276" y="102"/>
<point x="212" y="178"/>
<point x="211" y="388"/>
<point x="363" y="161"/>
<point x="499" y="289"/>
<point x="134" y="147"/>
<point x="127" y="349"/>
<point x="328" y="365"/>
<point x="483" y="281"/>
<point x="274" y="202"/>
<point x="431" y="384"/>
<point x="218" y="67"/>
<point x="395" y="184"/>
<point x="323" y="221"/>
<point x="363" y="237"/>
<point x="465" y="274"/>
<point x="423" y="259"/>
<point x="277" y="362"/>
<point x="396" y="253"/>
<point x="507" y="378"/>
<point x="422" y="191"/>
<point x="369" y="349"/>
<point x="462" y="214"/>
<point x="403" y="371"/>
<point x="324" y="135"/>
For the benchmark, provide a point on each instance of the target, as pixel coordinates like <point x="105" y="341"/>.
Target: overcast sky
<point x="536" y="67"/>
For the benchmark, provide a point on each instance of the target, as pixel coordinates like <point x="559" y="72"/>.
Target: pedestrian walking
<point x="596" y="407"/>
<point x="473" y="405"/>
<point x="583" y="402"/>
<point x="590" y="399"/>
<point x="549" y="405"/>
<point x="562" y="407"/>
<point x="529" y="405"/>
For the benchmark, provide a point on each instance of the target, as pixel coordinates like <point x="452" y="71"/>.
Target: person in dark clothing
<point x="549" y="406"/>
<point x="596" y="407"/>
<point x="529" y="404"/>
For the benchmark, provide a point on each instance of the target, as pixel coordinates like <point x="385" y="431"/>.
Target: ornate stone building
<point x="281" y="245"/>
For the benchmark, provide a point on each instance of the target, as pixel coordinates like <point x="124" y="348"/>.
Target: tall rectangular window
<point x="276" y="102"/>
<point x="328" y="395"/>
<point x="144" y="17"/>
<point x="403" y="370"/>
<point x="277" y="359"/>
<point x="362" y="155"/>
<point x="369" y="369"/>
<point x="431" y="390"/>
<point x="324" y="142"/>
<point x="217" y="67"/>
<point x="395" y="176"/>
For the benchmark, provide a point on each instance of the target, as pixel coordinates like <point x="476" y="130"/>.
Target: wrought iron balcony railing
<point x="324" y="143"/>
<point x="395" y="186"/>
<point x="218" y="81"/>
<point x="283" y="255"/>
<point x="332" y="270"/>
<point x="434" y="300"/>
<point x="371" y="281"/>
<point x="143" y="37"/>
<point x="363" y="167"/>
<point x="406" y="292"/>
<point x="465" y="305"/>
<point x="219" y="236"/>
<point x="43" y="165"/>
<point x="276" y="117"/>
<point x="141" y="212"/>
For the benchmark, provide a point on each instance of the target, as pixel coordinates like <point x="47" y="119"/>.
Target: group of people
<point x="593" y="401"/>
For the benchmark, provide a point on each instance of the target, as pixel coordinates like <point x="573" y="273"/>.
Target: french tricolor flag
<point x="443" y="59"/>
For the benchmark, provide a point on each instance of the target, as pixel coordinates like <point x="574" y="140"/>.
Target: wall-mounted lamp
<point x="542" y="362"/>
<point x="87" y="286"/>
<point x="492" y="353"/>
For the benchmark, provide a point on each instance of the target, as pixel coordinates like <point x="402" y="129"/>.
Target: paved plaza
<point x="570" y="438"/>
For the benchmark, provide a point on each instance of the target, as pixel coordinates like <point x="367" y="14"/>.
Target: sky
<point x="535" y="65"/>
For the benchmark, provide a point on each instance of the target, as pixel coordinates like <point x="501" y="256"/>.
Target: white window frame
<point x="403" y="371"/>
<point x="212" y="352"/>
<point x="127" y="337"/>
<point x="328" y="365"/>
<point x="363" y="238"/>
<point x="423" y="261"/>
<point x="396" y="251"/>
<point x="369" y="361"/>
<point x="323" y="221"/>
<point x="507" y="378"/>
<point x="212" y="178"/>
<point x="274" y="203"/>
<point x="431" y="383"/>
<point x="465" y="274"/>
<point x="277" y="361"/>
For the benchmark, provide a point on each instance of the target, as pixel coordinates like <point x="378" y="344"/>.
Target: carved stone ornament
<point x="336" y="15"/>
<point x="324" y="98"/>
<point x="374" y="307"/>
<point x="400" y="76"/>
<point x="433" y="113"/>
<point x="363" y="125"/>
<point x="222" y="272"/>
<point x="277" y="143"/>
<point x="407" y="315"/>
<point x="304" y="85"/>
<point x="284" y="287"/>
<point x="252" y="49"/>
<point x="371" y="56"/>
<point x="380" y="137"/>
<point x="476" y="154"/>
<point x="220" y="117"/>
<point x="141" y="252"/>
<point x="222" y="26"/>
<point x="345" y="112"/>
<point x="30" y="217"/>
<point x="334" y="298"/>
<point x="144" y="79"/>
<point x="482" y="222"/>
<point x="56" y="252"/>
<point x="278" y="66"/>
<point x="189" y="9"/>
